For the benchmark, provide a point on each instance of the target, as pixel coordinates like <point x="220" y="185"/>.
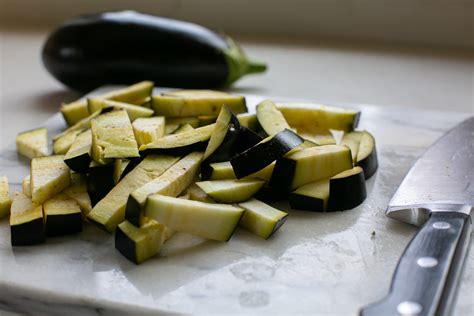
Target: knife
<point x="437" y="194"/>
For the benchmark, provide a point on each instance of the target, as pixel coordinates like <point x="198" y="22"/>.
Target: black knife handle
<point x="427" y="274"/>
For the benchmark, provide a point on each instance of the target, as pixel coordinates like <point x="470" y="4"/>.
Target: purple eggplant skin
<point x="347" y="193"/>
<point x="100" y="181"/>
<point x="247" y="138"/>
<point x="126" y="47"/>
<point x="262" y="154"/>
<point x="226" y="149"/>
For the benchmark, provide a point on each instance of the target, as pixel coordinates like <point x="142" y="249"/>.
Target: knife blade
<point x="438" y="195"/>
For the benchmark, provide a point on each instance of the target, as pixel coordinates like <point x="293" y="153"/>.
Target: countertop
<point x="331" y="264"/>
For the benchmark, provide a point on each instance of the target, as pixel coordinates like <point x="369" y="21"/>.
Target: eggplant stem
<point x="256" y="67"/>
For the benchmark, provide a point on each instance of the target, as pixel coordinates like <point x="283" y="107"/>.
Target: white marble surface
<point x="324" y="264"/>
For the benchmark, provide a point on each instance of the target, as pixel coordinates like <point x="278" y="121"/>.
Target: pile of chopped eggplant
<point x="194" y="161"/>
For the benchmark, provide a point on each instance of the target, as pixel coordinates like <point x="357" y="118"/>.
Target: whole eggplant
<point x="126" y="47"/>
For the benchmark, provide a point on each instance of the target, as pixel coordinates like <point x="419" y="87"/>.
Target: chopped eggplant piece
<point x="176" y="124"/>
<point x="33" y="143"/>
<point x="196" y="102"/>
<point x="5" y="200"/>
<point x="261" y="219"/>
<point x="264" y="153"/>
<point x="119" y="167"/>
<point x="310" y="165"/>
<point x="347" y="190"/>
<point x="139" y="244"/>
<point x="231" y="191"/>
<point x="206" y="119"/>
<point x="78" y="192"/>
<point x="364" y="152"/>
<point x="180" y="144"/>
<point x="172" y="182"/>
<point x="171" y="128"/>
<point x="100" y="180"/>
<point x="270" y="118"/>
<point x="112" y="137"/>
<point x="343" y="191"/>
<point x="320" y="116"/>
<point x="48" y="176"/>
<point x="223" y="171"/>
<point x="223" y="137"/>
<point x="83" y="124"/>
<point x="134" y="94"/>
<point x="62" y="144"/>
<point x="148" y="130"/>
<point x="250" y="121"/>
<point x="184" y="129"/>
<point x="178" y="129"/>
<point x="145" y="102"/>
<point x="191" y="120"/>
<point x="367" y="155"/>
<point x="264" y="174"/>
<point x="110" y="211"/>
<point x="130" y="166"/>
<point x="311" y="197"/>
<point x="206" y="220"/>
<point x="185" y="196"/>
<point x="317" y="136"/>
<point x="199" y="94"/>
<point x="78" y="156"/>
<point x="134" y="111"/>
<point x="167" y="233"/>
<point x="352" y="140"/>
<point x="62" y="216"/>
<point x="26" y="221"/>
<point x="217" y="171"/>
<point x="75" y="111"/>
<point x="195" y="193"/>
<point x="269" y="194"/>
<point x="247" y="138"/>
<point x="26" y="186"/>
<point x="306" y="144"/>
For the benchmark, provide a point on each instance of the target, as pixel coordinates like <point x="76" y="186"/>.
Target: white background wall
<point x="427" y="22"/>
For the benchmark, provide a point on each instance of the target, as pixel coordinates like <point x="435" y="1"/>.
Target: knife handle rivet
<point x="427" y="262"/>
<point x="441" y="225"/>
<point x="409" y="308"/>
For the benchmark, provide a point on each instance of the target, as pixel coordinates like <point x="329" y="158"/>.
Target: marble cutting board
<point x="318" y="264"/>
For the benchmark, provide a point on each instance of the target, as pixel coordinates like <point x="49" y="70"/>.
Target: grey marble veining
<point x="324" y="264"/>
